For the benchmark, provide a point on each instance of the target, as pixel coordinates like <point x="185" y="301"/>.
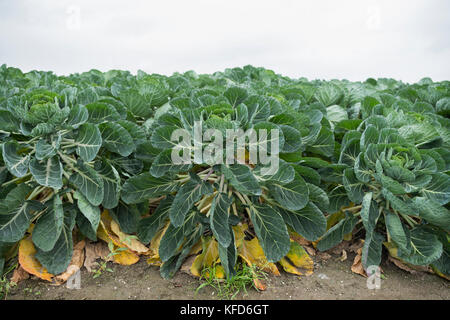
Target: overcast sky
<point x="321" y="39"/>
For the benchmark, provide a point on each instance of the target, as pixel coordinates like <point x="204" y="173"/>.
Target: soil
<point x="332" y="279"/>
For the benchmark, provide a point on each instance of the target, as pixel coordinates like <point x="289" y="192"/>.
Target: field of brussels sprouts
<point x="86" y="159"/>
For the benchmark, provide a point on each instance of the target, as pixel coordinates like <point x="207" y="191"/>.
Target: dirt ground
<point x="332" y="279"/>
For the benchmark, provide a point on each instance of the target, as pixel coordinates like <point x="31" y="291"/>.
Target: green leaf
<point x="49" y="226"/>
<point x="15" y="214"/>
<point x="258" y="108"/>
<point x="185" y="198"/>
<point x="292" y="138"/>
<point x="398" y="204"/>
<point x="353" y="186"/>
<point x="235" y="95"/>
<point x="163" y="164"/>
<point x="318" y="196"/>
<point x="398" y="232"/>
<point x="370" y="135"/>
<point x="369" y="214"/>
<point x="271" y="231"/>
<point x="350" y="152"/>
<point x="91" y="213"/>
<point x="136" y="104"/>
<point x="111" y="183"/>
<point x="392" y="185"/>
<point x="45" y="150"/>
<point x="426" y="247"/>
<point x="309" y="222"/>
<point x="324" y="144"/>
<point x="336" y="233"/>
<point x="77" y="116"/>
<point x="432" y="211"/>
<point x="218" y="215"/>
<point x="128" y="216"/>
<point x="338" y="198"/>
<point x="88" y="141"/>
<point x="161" y="137"/>
<point x="48" y="172"/>
<point x="293" y="195"/>
<point x="328" y="94"/>
<point x="284" y="174"/>
<point x="116" y="138"/>
<point x="241" y="178"/>
<point x="102" y="112"/>
<point x="149" y="226"/>
<point x="228" y="255"/>
<point x="372" y="249"/>
<point x="16" y="164"/>
<point x="144" y="186"/>
<point x="88" y="182"/>
<point x="174" y="236"/>
<point x="57" y="260"/>
<point x="438" y="189"/>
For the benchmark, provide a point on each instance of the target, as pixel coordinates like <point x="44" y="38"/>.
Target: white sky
<point x="325" y="39"/>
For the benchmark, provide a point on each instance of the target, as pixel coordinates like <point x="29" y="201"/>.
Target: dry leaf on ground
<point x="29" y="263"/>
<point x="75" y="264"/>
<point x="19" y="275"/>
<point x="357" y="266"/>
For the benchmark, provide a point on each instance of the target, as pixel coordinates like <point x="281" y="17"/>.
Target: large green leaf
<point x="116" y="138"/>
<point x="163" y="164"/>
<point x="372" y="249"/>
<point x="241" y="178"/>
<point x="149" y="226"/>
<point x="398" y="232"/>
<point x="16" y="164"/>
<point x="309" y="222"/>
<point x="438" y="189"/>
<point x="90" y="212"/>
<point x="293" y="195"/>
<point x="218" y="215"/>
<point x="16" y="213"/>
<point x="111" y="183"/>
<point x="49" y="226"/>
<point x="48" y="172"/>
<point x="426" y="247"/>
<point x="433" y="212"/>
<point x="336" y="233"/>
<point x="369" y="214"/>
<point x="88" y="141"/>
<point x="228" y="256"/>
<point x="88" y="182"/>
<point x="57" y="259"/>
<point x="271" y="231"/>
<point x="144" y="186"/>
<point x="185" y="198"/>
<point x="353" y="186"/>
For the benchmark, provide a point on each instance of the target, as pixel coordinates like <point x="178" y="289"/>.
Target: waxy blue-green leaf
<point x="292" y="138"/>
<point x="353" y="186"/>
<point x="135" y="103"/>
<point x="116" y="139"/>
<point x="293" y="195"/>
<point x="241" y="178"/>
<point x="235" y="95"/>
<point x="270" y="230"/>
<point x="185" y="198"/>
<point x="349" y="154"/>
<point x="58" y="258"/>
<point x="102" y="112"/>
<point x="111" y="183"/>
<point x="47" y="173"/>
<point x="426" y="247"/>
<point x="370" y="135"/>
<point x="228" y="256"/>
<point x="328" y="94"/>
<point x="284" y="174"/>
<point x="324" y="144"/>
<point x="218" y="217"/>
<point x="308" y="174"/>
<point x="128" y="216"/>
<point x="162" y="137"/>
<point x="369" y="214"/>
<point x="336" y="233"/>
<point x="438" y="189"/>
<point x="163" y="164"/>
<point x="398" y="232"/>
<point x="45" y="149"/>
<point x="144" y="186"/>
<point x="16" y="214"/>
<point x="15" y="162"/>
<point x="432" y="211"/>
<point x="49" y="226"/>
<point x="149" y="226"/>
<point x="92" y="213"/>
<point x="372" y="249"/>
<point x="88" y="182"/>
<point x="308" y="222"/>
<point x="77" y="116"/>
<point x="258" y="108"/>
<point x="338" y="198"/>
<point x="318" y="196"/>
<point x="88" y="141"/>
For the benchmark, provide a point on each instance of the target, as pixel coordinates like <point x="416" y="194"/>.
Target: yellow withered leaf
<point x="219" y="272"/>
<point x="239" y="235"/>
<point x="131" y="243"/>
<point x="252" y="253"/>
<point x="126" y="258"/>
<point x="207" y="258"/>
<point x="296" y="258"/>
<point x="28" y="261"/>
